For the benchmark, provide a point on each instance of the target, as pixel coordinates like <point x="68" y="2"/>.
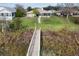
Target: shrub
<point x="74" y="20"/>
<point x="15" y="24"/>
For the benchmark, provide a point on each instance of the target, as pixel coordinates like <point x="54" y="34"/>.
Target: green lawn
<point x="28" y="22"/>
<point x="53" y="23"/>
<point x="56" y="23"/>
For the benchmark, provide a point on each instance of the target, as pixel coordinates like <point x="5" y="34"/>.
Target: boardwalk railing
<point x="34" y="47"/>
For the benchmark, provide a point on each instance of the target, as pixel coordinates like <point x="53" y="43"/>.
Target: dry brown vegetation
<point x="64" y="43"/>
<point x="15" y="43"/>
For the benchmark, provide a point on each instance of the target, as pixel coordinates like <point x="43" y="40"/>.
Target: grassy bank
<point x="55" y="23"/>
<point x="28" y="22"/>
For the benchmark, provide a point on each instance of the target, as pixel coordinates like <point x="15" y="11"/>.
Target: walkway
<point x="34" y="47"/>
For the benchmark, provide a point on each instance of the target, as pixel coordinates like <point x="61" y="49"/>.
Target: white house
<point x="7" y="13"/>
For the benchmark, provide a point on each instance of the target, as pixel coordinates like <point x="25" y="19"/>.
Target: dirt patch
<point x="64" y="43"/>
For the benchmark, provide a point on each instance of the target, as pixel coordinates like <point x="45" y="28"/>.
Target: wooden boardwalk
<point x="34" y="47"/>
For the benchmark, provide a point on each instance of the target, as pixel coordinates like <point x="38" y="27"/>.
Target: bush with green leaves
<point x="15" y="24"/>
<point x="74" y="20"/>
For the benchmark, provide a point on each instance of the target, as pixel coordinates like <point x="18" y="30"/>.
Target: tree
<point x="68" y="4"/>
<point x="67" y="9"/>
<point x="56" y="8"/>
<point x="48" y="8"/>
<point x="36" y="12"/>
<point x="52" y="7"/>
<point x="16" y="24"/>
<point x="29" y="8"/>
<point x="65" y="4"/>
<point x="20" y="11"/>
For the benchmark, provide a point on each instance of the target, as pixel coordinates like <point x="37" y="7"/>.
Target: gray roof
<point x="9" y="9"/>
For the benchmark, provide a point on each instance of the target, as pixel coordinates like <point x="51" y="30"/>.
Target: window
<point x="9" y="14"/>
<point x="2" y="14"/>
<point x="6" y="14"/>
<point x="12" y="14"/>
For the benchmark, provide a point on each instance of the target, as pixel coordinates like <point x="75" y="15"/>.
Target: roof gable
<point x="7" y="8"/>
<point x="5" y="11"/>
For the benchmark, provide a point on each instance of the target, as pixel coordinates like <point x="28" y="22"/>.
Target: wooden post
<point x="2" y="27"/>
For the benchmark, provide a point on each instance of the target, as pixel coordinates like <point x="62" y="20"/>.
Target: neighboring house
<point x="30" y="14"/>
<point x="45" y="13"/>
<point x="7" y="13"/>
<point x="66" y="11"/>
<point x="58" y="13"/>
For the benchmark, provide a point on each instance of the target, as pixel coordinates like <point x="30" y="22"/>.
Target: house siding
<point x="7" y="15"/>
